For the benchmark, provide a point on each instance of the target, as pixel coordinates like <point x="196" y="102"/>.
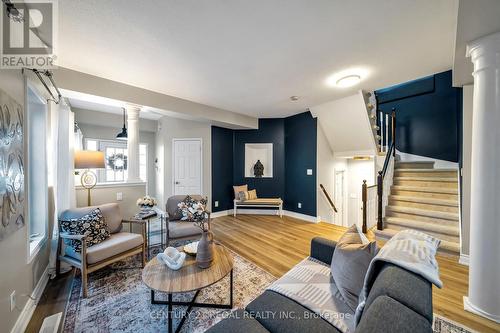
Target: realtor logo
<point x="28" y="37"/>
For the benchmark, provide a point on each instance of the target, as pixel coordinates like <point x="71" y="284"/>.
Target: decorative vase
<point x="205" y="252"/>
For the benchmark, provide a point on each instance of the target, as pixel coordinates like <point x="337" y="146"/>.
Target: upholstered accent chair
<point x="177" y="229"/>
<point x="118" y="246"/>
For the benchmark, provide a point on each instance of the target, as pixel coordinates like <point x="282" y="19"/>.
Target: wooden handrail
<point x="328" y="198"/>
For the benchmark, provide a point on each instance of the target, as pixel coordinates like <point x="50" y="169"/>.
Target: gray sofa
<point x="399" y="301"/>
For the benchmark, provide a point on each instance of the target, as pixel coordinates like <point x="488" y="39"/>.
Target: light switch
<point x="309" y="172"/>
<point x="299" y="205"/>
<point x="119" y="196"/>
<point x="216" y="204"/>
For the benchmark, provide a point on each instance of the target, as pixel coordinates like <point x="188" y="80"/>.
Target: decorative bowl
<point x="172" y="258"/>
<point x="191" y="248"/>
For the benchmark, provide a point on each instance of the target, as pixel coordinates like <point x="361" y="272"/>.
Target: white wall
<point x="15" y="273"/>
<point x="346" y="124"/>
<point x="357" y="171"/>
<point x="340" y="218"/>
<point x="466" y="167"/>
<point x="169" y="129"/>
<point x="325" y="176"/>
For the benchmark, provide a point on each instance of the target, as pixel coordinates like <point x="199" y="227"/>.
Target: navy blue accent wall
<point x="222" y="168"/>
<point x="270" y="131"/>
<point x="300" y="155"/>
<point x="428" y="116"/>
<point x="294" y="151"/>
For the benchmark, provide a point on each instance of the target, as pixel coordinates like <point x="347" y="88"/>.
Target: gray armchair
<point x="118" y="246"/>
<point x="177" y="229"/>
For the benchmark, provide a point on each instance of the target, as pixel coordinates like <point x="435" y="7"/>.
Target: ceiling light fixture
<point x="348" y="81"/>
<point x="347" y="78"/>
<point x="294" y="98"/>
<point x="123" y="134"/>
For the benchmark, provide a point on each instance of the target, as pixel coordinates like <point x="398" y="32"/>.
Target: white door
<point x="339" y="197"/>
<point x="187" y="166"/>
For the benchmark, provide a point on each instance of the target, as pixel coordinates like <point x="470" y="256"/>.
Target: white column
<point x="133" y="142"/>
<point x="484" y="266"/>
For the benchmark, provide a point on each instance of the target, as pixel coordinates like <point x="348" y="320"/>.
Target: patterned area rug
<point x="444" y="325"/>
<point x="119" y="301"/>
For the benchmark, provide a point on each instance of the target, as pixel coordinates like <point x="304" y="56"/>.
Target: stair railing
<point x="385" y="176"/>
<point x="330" y="201"/>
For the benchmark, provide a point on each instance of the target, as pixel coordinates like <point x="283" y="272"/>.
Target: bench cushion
<point x="260" y="201"/>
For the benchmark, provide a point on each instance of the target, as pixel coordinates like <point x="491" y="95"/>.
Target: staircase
<point x="425" y="199"/>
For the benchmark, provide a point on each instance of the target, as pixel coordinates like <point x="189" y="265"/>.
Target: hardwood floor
<point x="278" y="244"/>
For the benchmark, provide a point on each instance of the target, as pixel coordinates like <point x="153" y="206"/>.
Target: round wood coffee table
<point x="190" y="277"/>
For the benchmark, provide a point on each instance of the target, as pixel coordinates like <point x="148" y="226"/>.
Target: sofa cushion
<point x="112" y="216"/>
<point x="115" y="244"/>
<point x="238" y="321"/>
<point x="351" y="258"/>
<point x="182" y="229"/>
<point x="92" y="225"/>
<point x="278" y="313"/>
<point x="171" y="206"/>
<point x="407" y="288"/>
<point x="111" y="212"/>
<point x="387" y="315"/>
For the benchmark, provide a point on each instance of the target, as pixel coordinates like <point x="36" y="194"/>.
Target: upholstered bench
<point x="260" y="202"/>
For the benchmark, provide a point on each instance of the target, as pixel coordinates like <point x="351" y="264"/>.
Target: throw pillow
<point x="243" y="195"/>
<point x="252" y="194"/>
<point x="91" y="225"/>
<point x="351" y="258"/>
<point x="238" y="189"/>
<point x="192" y="210"/>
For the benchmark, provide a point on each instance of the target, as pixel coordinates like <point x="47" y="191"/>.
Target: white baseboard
<point x="299" y="216"/>
<point x="30" y="306"/>
<point x="468" y="306"/>
<point x="464" y="259"/>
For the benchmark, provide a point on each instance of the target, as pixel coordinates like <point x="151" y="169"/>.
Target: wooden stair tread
<point x="444" y="190"/>
<point x="425" y="170"/>
<point x="424" y="212"/>
<point x="424" y="226"/>
<point x="425" y="200"/>
<point x="427" y="179"/>
<point x="447" y="246"/>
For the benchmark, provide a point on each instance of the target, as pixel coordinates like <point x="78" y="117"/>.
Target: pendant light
<point x="123" y="134"/>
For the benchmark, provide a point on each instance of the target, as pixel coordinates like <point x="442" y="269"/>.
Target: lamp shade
<point x="89" y="159"/>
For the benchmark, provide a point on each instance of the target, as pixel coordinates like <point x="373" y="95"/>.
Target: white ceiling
<point x="251" y="56"/>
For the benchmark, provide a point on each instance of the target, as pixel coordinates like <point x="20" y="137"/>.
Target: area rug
<point x="445" y="325"/>
<point x="118" y="300"/>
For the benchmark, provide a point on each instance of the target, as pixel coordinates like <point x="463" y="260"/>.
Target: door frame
<point x="174" y="140"/>
<point x="343" y="192"/>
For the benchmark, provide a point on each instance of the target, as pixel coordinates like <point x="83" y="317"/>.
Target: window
<point x="37" y="172"/>
<point x="115" y="153"/>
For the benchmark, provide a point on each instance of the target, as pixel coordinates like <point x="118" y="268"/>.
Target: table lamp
<point x="89" y="159"/>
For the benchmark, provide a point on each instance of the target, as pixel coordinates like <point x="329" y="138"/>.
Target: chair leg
<point x="143" y="255"/>
<point x="84" y="282"/>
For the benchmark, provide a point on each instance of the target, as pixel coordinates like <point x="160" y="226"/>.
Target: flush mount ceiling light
<point x="347" y="78"/>
<point x="294" y="98"/>
<point x="348" y="81"/>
